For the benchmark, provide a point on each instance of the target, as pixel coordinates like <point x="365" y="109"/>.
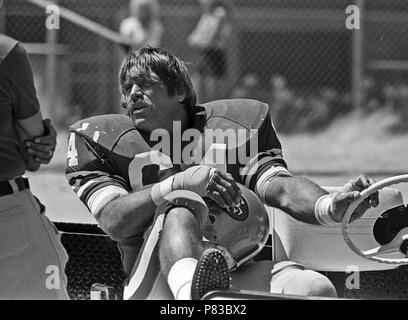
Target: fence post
<point x="2" y="17"/>
<point x="51" y="69"/>
<point x="357" y="59"/>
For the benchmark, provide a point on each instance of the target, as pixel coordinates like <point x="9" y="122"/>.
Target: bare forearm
<point x="28" y="129"/>
<point x="128" y="215"/>
<point x="296" y="196"/>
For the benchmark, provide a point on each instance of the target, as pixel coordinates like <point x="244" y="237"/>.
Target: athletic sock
<point x="180" y="278"/>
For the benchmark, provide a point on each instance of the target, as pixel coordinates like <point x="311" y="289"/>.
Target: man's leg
<point x="190" y="270"/>
<point x="173" y="247"/>
<point x="287" y="278"/>
<point x="181" y="238"/>
<point x="32" y="258"/>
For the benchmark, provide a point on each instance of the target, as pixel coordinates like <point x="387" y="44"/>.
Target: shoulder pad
<point x="244" y="112"/>
<point x="104" y="129"/>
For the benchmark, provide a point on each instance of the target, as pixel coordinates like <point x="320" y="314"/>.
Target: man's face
<point x="149" y="104"/>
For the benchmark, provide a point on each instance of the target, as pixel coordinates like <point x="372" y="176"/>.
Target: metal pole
<point x="357" y="60"/>
<point x="2" y="17"/>
<point x="51" y="70"/>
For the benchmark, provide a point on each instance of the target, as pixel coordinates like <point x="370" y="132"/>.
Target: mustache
<point x="138" y="105"/>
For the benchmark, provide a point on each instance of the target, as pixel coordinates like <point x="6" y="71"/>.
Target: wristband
<point x="262" y="184"/>
<point x="323" y="212"/>
<point x="161" y="189"/>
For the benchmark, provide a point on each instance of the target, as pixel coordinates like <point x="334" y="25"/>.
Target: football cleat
<point x="210" y="274"/>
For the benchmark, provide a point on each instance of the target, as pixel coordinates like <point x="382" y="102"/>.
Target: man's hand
<point x="352" y="189"/>
<point x="209" y="182"/>
<point x="42" y="148"/>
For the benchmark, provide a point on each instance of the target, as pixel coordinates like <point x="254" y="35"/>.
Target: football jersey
<point x="107" y="156"/>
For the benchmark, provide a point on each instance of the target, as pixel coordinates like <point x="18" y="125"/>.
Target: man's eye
<point x="146" y="85"/>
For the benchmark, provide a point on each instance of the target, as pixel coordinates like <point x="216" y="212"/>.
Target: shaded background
<point x="297" y="55"/>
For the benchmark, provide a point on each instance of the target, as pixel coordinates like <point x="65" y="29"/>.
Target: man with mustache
<point x="126" y="170"/>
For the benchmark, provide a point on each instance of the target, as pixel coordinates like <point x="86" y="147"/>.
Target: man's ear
<point x="123" y="101"/>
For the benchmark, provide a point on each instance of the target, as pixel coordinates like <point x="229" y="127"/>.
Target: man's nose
<point x="136" y="93"/>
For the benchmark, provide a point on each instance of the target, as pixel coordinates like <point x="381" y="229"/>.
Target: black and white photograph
<point x="226" y="151"/>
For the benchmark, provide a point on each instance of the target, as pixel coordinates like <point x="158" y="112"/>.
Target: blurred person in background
<point x="142" y="26"/>
<point x="32" y="258"/>
<point x="211" y="38"/>
<point x="248" y="88"/>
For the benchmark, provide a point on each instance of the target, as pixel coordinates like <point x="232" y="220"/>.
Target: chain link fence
<point x="385" y="84"/>
<point x="298" y="56"/>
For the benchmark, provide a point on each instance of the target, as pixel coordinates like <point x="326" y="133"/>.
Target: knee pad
<point x="185" y="199"/>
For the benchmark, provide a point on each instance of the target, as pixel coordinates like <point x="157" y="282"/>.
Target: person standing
<point x="211" y="39"/>
<point x="32" y="258"/>
<point x="142" y="26"/>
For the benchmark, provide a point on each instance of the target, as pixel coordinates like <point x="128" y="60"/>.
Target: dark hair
<point x="139" y="64"/>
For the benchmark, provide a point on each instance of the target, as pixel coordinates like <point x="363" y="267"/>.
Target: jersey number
<point x="142" y="160"/>
<point x="216" y="153"/>
<point x="72" y="154"/>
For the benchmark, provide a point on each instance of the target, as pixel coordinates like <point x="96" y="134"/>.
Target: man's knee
<point x="185" y="216"/>
<point x="178" y="223"/>
<point x="293" y="279"/>
<point x="182" y="205"/>
<point x="312" y="283"/>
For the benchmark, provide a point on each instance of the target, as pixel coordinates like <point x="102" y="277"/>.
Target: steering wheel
<point x="398" y="244"/>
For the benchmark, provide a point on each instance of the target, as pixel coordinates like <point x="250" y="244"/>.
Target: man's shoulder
<point x="105" y="130"/>
<point x="245" y="113"/>
<point x="7" y="43"/>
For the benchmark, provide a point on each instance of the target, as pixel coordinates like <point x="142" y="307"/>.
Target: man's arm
<point x="207" y="29"/>
<point x="29" y="122"/>
<point x="106" y="193"/>
<point x="30" y="128"/>
<point x="42" y="147"/>
<point x="301" y="198"/>
<point x="127" y="215"/>
<point x="296" y="196"/>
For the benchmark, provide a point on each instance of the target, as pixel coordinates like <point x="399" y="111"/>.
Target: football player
<point x="150" y="176"/>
